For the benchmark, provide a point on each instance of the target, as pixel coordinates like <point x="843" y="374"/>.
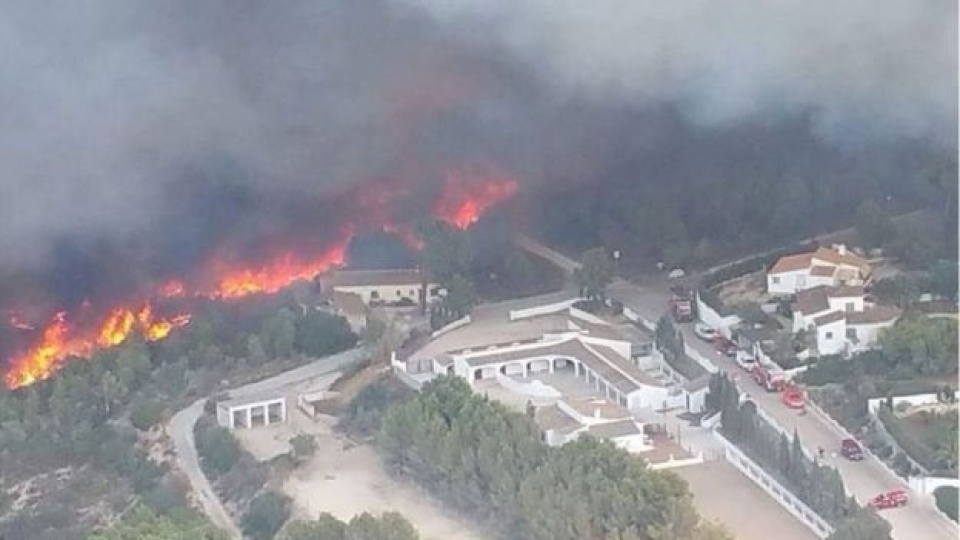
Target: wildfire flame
<point x="466" y="197"/>
<point x="467" y="193"/>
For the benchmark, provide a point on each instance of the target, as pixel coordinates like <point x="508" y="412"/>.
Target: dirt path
<point x="346" y="480"/>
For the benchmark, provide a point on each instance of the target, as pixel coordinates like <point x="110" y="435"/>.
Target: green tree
<point x="265" y="515"/>
<point x="217" y="448"/>
<point x="146" y="413"/>
<point x="520" y="273"/>
<point x="279" y="334"/>
<point x="460" y="297"/>
<point x="597" y="271"/>
<point x="325" y="527"/>
<point x="446" y="252"/>
<point x="943" y="277"/>
<point x="865" y="525"/>
<point x="255" y="350"/>
<point x="946" y="498"/>
<point x="144" y="524"/>
<point x="320" y="334"/>
<point x="303" y="445"/>
<point x="873" y="224"/>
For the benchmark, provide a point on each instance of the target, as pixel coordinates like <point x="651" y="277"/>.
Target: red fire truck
<point x="890" y="499"/>
<point x="767" y="379"/>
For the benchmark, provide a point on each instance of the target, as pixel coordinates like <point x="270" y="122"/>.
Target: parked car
<point x="724" y="346"/>
<point x="745" y="360"/>
<point x="851" y="450"/>
<point x="705" y="332"/>
<point x="890" y="499"/>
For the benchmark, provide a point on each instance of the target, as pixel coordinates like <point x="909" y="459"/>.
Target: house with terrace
<point x="840" y="319"/>
<point x="559" y="341"/>
<point x="834" y="266"/>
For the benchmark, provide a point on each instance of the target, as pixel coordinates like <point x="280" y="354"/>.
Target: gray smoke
<point x="862" y="68"/>
<point x="154" y="130"/>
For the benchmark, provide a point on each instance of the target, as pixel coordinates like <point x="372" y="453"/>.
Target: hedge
<point x="920" y="452"/>
<point x="947" y="500"/>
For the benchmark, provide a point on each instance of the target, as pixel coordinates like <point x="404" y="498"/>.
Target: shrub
<point x="266" y="514"/>
<point x="145" y="414"/>
<point x="918" y="450"/>
<point x="946" y="497"/>
<point x="217" y="448"/>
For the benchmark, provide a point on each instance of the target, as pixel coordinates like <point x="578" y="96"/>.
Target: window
<point x="374" y="295"/>
<point x="828" y="335"/>
<point x="413" y="292"/>
<point x="775" y="280"/>
<point x="399" y="293"/>
<point x="851" y="333"/>
<point x="849" y="306"/>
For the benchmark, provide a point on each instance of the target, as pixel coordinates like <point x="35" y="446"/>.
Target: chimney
<point x="840" y="249"/>
<point x="596" y="413"/>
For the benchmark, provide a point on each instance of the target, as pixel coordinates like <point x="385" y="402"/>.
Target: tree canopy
<point x="490" y="463"/>
<point x="145" y="524"/>
<point x="597" y="272"/>
<point x="365" y="526"/>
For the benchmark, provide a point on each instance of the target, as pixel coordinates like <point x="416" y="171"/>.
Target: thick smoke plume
<point x="861" y="67"/>
<point x="139" y="138"/>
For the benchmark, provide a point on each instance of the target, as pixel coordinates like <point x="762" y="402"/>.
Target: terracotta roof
<point x="373" y="278"/>
<point x="813" y="300"/>
<point x="553" y="418"/>
<point x="831" y="317"/>
<point x="832" y="256"/>
<point x="844" y="291"/>
<point x="873" y="315"/>
<point x="822" y="271"/>
<point x="613" y="430"/>
<point x="791" y="263"/>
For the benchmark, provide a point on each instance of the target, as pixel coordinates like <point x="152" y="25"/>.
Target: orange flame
<point x="466" y="195"/>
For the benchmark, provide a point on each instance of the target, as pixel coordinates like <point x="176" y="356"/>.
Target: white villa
<point x="841" y="319"/>
<point x="566" y="420"/>
<point x="833" y="267"/>
<point x="377" y="287"/>
<point x="616" y="361"/>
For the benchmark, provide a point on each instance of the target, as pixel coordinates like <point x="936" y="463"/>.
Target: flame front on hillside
<point x="466" y="195"/>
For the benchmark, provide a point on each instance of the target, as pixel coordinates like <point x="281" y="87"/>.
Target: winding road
<point x="182" y="424"/>
<point x="919" y="520"/>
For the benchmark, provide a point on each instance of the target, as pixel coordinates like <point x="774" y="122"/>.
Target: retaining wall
<point x="782" y="495"/>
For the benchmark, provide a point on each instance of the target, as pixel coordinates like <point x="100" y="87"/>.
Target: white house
<point x="566" y="420"/>
<point x="834" y="266"/>
<point x="613" y="361"/>
<point x="377" y="287"/>
<point x="840" y="318"/>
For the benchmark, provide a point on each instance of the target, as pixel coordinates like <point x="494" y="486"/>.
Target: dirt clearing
<point x="346" y="479"/>
<point x="721" y="493"/>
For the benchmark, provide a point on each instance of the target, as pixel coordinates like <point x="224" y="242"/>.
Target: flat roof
<point x="612" y="430"/>
<point x="551" y="417"/>
<point x="375" y="278"/>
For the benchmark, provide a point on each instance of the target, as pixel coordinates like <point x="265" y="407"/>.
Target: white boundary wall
<point x="451" y="326"/>
<point x="782" y="495"/>
<point x="914" y="400"/>
<point x="547" y="309"/>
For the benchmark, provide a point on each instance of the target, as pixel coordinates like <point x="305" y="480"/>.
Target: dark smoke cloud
<point x="164" y="127"/>
<point x="863" y="67"/>
<point x="138" y="137"/>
